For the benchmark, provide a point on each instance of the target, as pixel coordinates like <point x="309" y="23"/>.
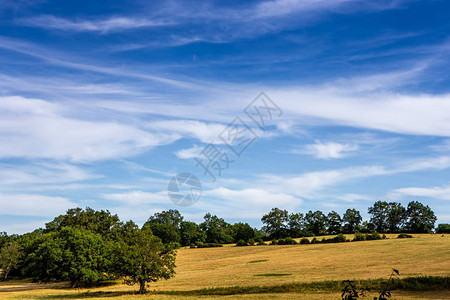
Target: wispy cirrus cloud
<point x="112" y="24"/>
<point x="441" y="192"/>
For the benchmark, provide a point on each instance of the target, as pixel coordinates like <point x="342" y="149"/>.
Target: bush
<point x="359" y="236"/>
<point x="200" y="244"/>
<point x="305" y="241"/>
<point x="174" y="245"/>
<point x="383" y="236"/>
<point x="315" y="241"/>
<point x="374" y="236"/>
<point x="273" y="242"/>
<point x="340" y="238"/>
<point x="241" y="243"/>
<point x="404" y="236"/>
<point x="289" y="241"/>
<point x="192" y="246"/>
<point x="443" y="228"/>
<point x="260" y="242"/>
<point x="281" y="242"/>
<point x="251" y="242"/>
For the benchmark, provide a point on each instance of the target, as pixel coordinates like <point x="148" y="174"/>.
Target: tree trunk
<point x="8" y="269"/>
<point x="142" y="287"/>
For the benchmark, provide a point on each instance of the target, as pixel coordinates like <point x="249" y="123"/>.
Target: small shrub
<point x="340" y="238"/>
<point x="305" y="241"/>
<point x="404" y="236"/>
<point x="281" y="242"/>
<point x="383" y="236"/>
<point x="374" y="236"/>
<point x="251" y="242"/>
<point x="315" y="241"/>
<point x="273" y="242"/>
<point x="260" y="242"/>
<point x="200" y="245"/>
<point x="290" y="241"/>
<point x="241" y="243"/>
<point x="359" y="236"/>
<point x="192" y="246"/>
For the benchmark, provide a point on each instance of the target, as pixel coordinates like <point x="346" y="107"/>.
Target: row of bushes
<point x="250" y="242"/>
<point x="205" y="245"/>
<point x="340" y="238"/>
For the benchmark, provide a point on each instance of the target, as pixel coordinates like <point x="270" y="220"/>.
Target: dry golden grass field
<point x="274" y="265"/>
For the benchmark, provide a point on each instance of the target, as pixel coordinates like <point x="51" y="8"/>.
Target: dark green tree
<point x="334" y="221"/>
<point x="242" y="231"/>
<point x="396" y="216"/>
<point x="316" y="222"/>
<point x="352" y="220"/>
<point x="166" y="225"/>
<point x="100" y="222"/>
<point x="443" y="228"/>
<point x="296" y="225"/>
<point x="276" y="222"/>
<point x="420" y="218"/>
<point x="379" y="215"/>
<point x="170" y="217"/>
<point x="191" y="233"/>
<point x="140" y="258"/>
<point x="72" y="253"/>
<point x="216" y="229"/>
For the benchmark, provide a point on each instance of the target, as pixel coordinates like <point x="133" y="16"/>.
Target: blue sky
<point x="103" y="102"/>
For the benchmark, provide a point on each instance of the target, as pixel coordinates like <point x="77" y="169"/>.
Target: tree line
<point x="85" y="246"/>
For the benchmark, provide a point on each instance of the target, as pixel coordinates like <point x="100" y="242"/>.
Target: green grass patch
<point x="257" y="261"/>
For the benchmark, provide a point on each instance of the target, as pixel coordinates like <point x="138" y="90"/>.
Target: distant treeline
<point x="86" y="246"/>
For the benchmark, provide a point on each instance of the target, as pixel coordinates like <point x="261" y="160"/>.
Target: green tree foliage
<point x="396" y="216"/>
<point x="191" y="233"/>
<point x="100" y="222"/>
<point x="420" y="218"/>
<point x="242" y="231"/>
<point x="379" y="215"/>
<point x="443" y="228"/>
<point x="10" y="256"/>
<point x="352" y="220"/>
<point x="166" y="225"/>
<point x="275" y="223"/>
<point x="296" y="225"/>
<point x="334" y="223"/>
<point x="316" y="222"/>
<point x="72" y="253"/>
<point x="140" y="258"/>
<point x="216" y="229"/>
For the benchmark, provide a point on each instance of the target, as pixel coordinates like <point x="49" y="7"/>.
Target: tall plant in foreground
<point x="351" y="292"/>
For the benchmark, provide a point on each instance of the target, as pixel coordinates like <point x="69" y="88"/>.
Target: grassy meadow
<point x="272" y="266"/>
